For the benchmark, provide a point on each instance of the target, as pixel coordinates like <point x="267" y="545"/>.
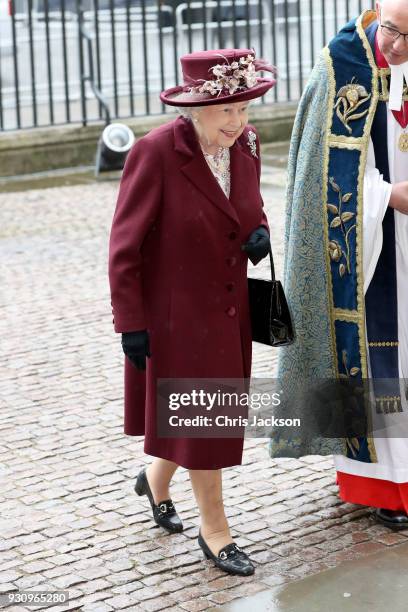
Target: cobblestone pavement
<point x="69" y="516"/>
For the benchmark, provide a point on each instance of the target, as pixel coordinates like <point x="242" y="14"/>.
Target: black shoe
<point x="230" y="559"/>
<point x="164" y="514"/>
<point x="394" y="519"/>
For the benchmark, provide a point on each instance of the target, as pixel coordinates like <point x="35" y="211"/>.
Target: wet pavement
<point x="83" y="175"/>
<point x="69" y="515"/>
<point x="372" y="584"/>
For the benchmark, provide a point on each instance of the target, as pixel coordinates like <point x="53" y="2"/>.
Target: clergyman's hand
<point x="136" y="347"/>
<point x="399" y="197"/>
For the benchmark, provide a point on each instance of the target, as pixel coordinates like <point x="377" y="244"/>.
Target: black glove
<point x="136" y="348"/>
<point x="258" y="244"/>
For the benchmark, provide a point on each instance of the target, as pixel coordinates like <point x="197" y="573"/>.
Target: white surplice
<point x="392" y="452"/>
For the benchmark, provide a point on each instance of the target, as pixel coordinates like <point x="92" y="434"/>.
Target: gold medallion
<point x="403" y="143"/>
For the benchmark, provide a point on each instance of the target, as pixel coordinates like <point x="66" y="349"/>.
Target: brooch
<point x="252" y="142"/>
<point x="350" y="98"/>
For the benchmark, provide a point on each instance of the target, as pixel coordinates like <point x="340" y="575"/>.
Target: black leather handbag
<point x="270" y="317"/>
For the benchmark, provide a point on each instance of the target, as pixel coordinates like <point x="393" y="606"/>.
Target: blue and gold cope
<point x="358" y="113"/>
<point x="327" y="162"/>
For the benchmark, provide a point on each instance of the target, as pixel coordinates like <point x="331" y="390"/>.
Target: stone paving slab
<point x="69" y="515"/>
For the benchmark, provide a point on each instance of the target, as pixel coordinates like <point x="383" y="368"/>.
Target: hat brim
<point x="175" y="96"/>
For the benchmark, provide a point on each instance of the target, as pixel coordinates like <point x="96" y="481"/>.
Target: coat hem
<point x="191" y="465"/>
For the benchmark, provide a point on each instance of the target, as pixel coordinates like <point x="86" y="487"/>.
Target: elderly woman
<point x="188" y="216"/>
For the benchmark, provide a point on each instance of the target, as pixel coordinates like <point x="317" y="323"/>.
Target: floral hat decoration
<point x="221" y="76"/>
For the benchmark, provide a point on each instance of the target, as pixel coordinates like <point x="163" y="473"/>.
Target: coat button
<point x="230" y="287"/>
<point x="233" y="235"/>
<point x="231" y="311"/>
<point x="231" y="261"/>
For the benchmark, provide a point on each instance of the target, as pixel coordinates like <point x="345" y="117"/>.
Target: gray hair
<point x="187" y="111"/>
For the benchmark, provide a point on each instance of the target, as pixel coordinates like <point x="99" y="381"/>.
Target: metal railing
<point x="131" y="49"/>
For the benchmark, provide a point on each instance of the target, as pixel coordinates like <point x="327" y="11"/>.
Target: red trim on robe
<point x="373" y="492"/>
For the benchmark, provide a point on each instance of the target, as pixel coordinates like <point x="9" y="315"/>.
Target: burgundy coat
<point x="177" y="269"/>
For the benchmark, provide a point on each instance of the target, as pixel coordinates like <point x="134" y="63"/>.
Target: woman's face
<point x="220" y="125"/>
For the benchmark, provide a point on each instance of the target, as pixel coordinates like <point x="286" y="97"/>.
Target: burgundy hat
<point x="220" y="76"/>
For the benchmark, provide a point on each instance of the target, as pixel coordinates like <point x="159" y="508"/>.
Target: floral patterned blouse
<point x="219" y="164"/>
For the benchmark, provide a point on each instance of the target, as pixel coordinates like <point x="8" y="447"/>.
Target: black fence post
<point x="81" y="61"/>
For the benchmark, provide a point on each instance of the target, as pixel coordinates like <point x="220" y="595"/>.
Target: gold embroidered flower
<point x="335" y="250"/>
<point x="340" y="223"/>
<point x="353" y="92"/>
<point x="350" y="97"/>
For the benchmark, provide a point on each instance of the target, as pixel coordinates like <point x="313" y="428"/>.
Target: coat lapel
<point x="243" y="174"/>
<point x="197" y="171"/>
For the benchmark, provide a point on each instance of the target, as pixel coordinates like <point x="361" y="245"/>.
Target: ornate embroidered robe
<point x="346" y="263"/>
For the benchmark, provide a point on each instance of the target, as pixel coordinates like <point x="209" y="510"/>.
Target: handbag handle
<point x="272" y="265"/>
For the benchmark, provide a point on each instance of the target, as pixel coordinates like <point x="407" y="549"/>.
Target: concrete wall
<point x="43" y="149"/>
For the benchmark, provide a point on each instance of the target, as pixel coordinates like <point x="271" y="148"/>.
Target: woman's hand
<point x="258" y="244"/>
<point x="136" y="347"/>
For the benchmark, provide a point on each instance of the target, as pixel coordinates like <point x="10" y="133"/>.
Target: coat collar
<point x="197" y="171"/>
